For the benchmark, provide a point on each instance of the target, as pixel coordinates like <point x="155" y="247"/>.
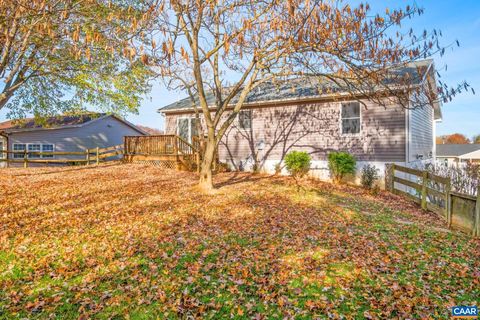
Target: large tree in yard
<point x="62" y="55"/>
<point x="227" y="48"/>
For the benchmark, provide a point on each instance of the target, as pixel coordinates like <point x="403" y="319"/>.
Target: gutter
<point x="269" y="103"/>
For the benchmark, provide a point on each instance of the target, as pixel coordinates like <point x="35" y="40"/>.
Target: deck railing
<point x="167" y="148"/>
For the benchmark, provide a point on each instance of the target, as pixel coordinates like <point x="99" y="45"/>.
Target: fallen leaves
<point x="133" y="240"/>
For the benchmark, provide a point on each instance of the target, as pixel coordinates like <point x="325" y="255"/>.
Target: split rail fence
<point x="89" y="156"/>
<point x="434" y="193"/>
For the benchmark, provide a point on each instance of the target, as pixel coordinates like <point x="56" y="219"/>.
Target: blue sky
<point x="456" y="19"/>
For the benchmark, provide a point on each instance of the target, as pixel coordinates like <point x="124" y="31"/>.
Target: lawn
<point x="138" y="242"/>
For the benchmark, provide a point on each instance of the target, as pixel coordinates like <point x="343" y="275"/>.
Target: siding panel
<point x="102" y="133"/>
<point x="315" y="128"/>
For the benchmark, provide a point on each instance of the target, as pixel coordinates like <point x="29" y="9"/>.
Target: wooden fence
<point x="434" y="193"/>
<point x="89" y="156"/>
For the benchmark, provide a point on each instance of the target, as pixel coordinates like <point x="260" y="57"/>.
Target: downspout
<point x="407" y="135"/>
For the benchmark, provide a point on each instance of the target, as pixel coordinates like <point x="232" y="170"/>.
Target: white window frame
<point x="189" y="127"/>
<point x="359" y="117"/>
<point x="2" y="148"/>
<point x="32" y="156"/>
<point x="53" y="150"/>
<point x="20" y="153"/>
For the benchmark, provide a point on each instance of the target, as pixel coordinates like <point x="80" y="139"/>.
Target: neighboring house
<point x="69" y="133"/>
<point x="456" y="154"/>
<point x="298" y="115"/>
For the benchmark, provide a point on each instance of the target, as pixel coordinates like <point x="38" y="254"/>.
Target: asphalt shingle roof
<point x="305" y="88"/>
<point x="50" y="122"/>
<point x="455" y="150"/>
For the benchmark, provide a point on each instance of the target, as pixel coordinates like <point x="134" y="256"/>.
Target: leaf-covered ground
<point x="133" y="241"/>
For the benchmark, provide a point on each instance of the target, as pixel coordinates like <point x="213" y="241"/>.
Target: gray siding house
<point x="293" y="115"/>
<point x="64" y="133"/>
<point x="458" y="154"/>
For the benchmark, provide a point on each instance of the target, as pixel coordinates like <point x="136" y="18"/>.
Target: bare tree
<point x="218" y="51"/>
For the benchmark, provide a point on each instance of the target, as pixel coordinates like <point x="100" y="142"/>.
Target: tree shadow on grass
<point x="267" y="251"/>
<point x="239" y="177"/>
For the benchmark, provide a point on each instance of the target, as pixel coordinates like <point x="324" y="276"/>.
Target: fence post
<point x="476" y="230"/>
<point x="424" y="190"/>
<point x="98" y="160"/>
<point x="88" y="156"/>
<point x="25" y="161"/>
<point x="197" y="160"/>
<point x="448" y="202"/>
<point x="389" y="174"/>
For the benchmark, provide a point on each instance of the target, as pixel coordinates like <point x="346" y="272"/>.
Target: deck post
<point x="98" y="160"/>
<point x="424" y="189"/>
<point x="88" y="156"/>
<point x="476" y="230"/>
<point x="25" y="161"/>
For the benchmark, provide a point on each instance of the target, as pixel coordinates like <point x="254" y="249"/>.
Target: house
<point x="68" y="133"/>
<point x="456" y="154"/>
<point x="303" y="115"/>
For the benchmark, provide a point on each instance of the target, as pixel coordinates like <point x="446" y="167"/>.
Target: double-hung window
<point x="34" y="150"/>
<point x="245" y="119"/>
<point x="2" y="154"/>
<point x="47" y="148"/>
<point x="19" y="150"/>
<point x="351" y="122"/>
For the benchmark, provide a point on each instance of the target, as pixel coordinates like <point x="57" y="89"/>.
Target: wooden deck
<point x="166" y="151"/>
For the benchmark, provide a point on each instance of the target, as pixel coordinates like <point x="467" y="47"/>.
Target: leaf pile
<point x="139" y="242"/>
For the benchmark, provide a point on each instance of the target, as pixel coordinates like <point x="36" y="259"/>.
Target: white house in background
<point x="455" y="154"/>
<point x="69" y="133"/>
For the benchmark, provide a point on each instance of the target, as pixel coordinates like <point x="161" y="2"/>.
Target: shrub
<point x="298" y="163"/>
<point x="369" y="176"/>
<point x="340" y="165"/>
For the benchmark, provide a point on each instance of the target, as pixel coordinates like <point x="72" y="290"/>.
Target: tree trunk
<point x="206" y="179"/>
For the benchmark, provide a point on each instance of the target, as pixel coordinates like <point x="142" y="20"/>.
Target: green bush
<point x="298" y="163"/>
<point x="340" y="165"/>
<point x="369" y="176"/>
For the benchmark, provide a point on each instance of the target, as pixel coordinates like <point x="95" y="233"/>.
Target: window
<point x="19" y="149"/>
<point x="245" y="119"/>
<point x="350" y="118"/>
<point x="187" y="128"/>
<point x="36" y="147"/>
<point x="2" y="155"/>
<point x="47" y="148"/>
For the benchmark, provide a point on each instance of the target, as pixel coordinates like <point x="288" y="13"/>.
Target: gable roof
<point x="59" y="122"/>
<point x="306" y="88"/>
<point x="456" y="150"/>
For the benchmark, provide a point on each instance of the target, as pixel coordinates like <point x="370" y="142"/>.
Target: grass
<point x="132" y="241"/>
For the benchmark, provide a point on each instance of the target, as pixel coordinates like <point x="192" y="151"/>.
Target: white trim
<point x="407" y="133"/>
<point x="469" y="155"/>
<point x="53" y="150"/>
<point x="37" y="156"/>
<point x="341" y="120"/>
<point x="14" y="154"/>
<point x="268" y="103"/>
<point x="189" y="139"/>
